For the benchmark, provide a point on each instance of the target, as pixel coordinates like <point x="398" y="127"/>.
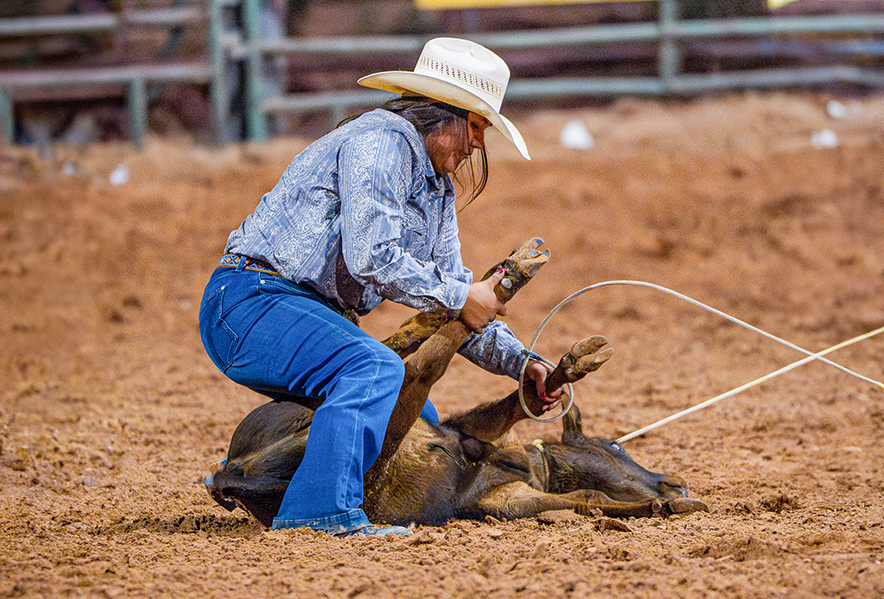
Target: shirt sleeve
<point x="496" y="350"/>
<point x="376" y="175"/>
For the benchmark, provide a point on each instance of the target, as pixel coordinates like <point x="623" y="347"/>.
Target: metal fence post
<point x="137" y="106"/>
<point x="255" y="123"/>
<point x="219" y="94"/>
<point x="669" y="51"/>
<point x="7" y="118"/>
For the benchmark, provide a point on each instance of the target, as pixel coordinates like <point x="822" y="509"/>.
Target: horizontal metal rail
<point x="347" y="46"/>
<point x="196" y="72"/>
<point x="320" y="100"/>
<point x="692" y="84"/>
<point x="134" y="78"/>
<point x="338" y="103"/>
<point x="72" y="24"/>
<point x="25" y="26"/>
<point x="576" y="36"/>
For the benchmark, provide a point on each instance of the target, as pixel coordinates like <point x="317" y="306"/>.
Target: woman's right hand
<point x="482" y="306"/>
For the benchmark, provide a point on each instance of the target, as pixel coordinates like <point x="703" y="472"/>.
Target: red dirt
<point x="111" y="411"/>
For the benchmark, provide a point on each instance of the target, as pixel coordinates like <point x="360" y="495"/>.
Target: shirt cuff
<point x="459" y="293"/>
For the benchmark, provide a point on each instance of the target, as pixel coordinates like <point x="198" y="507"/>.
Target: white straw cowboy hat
<point x="461" y="73"/>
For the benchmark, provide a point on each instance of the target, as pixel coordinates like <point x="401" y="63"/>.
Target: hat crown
<point x="467" y="65"/>
<point x="460" y="73"/>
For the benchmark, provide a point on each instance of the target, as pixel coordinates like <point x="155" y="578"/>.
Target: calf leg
<point x="520" y="267"/>
<point x="520" y="500"/>
<point x="492" y="420"/>
<point x="431" y="356"/>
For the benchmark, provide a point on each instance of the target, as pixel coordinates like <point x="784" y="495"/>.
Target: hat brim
<point x="402" y="82"/>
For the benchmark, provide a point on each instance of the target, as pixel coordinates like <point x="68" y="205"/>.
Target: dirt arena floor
<point x="111" y="412"/>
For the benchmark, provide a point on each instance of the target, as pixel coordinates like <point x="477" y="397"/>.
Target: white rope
<point x="566" y="407"/>
<point x="811" y="355"/>
<point x="758" y="381"/>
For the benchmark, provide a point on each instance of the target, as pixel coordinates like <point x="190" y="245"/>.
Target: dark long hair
<point x="428" y="115"/>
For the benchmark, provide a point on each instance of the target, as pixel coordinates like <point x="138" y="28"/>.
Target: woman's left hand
<point x="537" y="372"/>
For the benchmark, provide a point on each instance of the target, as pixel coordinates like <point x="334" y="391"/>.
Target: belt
<point x="234" y="260"/>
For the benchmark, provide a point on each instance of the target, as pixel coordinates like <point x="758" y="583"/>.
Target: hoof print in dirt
<point x="605" y="524"/>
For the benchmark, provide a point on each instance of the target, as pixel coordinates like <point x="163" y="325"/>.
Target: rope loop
<point x="530" y="355"/>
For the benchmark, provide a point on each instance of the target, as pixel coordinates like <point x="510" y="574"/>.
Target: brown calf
<point x="429" y="474"/>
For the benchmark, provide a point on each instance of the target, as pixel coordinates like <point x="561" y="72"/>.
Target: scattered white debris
<point x="824" y="139"/>
<point x="575" y="136"/>
<point x="837" y="110"/>
<point x="119" y="176"/>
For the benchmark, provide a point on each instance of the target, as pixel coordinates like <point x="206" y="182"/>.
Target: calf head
<point x="580" y="462"/>
<point x="266" y="449"/>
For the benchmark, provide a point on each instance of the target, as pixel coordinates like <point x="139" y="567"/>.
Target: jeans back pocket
<point x="218" y="338"/>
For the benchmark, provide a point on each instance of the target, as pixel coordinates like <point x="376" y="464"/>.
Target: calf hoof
<point x="520" y="267"/>
<point x="586" y="354"/>
<point x="527" y="259"/>
<point x="583" y="358"/>
<point x="684" y="505"/>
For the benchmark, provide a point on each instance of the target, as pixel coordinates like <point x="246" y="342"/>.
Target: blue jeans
<point x="284" y="341"/>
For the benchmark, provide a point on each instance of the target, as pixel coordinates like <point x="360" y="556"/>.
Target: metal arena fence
<point x="853" y="45"/>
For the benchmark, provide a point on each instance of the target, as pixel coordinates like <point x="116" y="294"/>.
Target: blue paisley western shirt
<point x="361" y="216"/>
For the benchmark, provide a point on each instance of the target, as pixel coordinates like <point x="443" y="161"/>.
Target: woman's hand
<point x="482" y="305"/>
<point x="537" y="372"/>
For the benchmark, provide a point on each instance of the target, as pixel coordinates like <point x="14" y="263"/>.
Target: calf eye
<point x="616" y="447"/>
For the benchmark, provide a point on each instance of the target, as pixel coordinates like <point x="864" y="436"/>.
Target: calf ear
<point x="572" y="428"/>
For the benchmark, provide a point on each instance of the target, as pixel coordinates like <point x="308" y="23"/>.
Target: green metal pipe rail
<point x="669" y="33"/>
